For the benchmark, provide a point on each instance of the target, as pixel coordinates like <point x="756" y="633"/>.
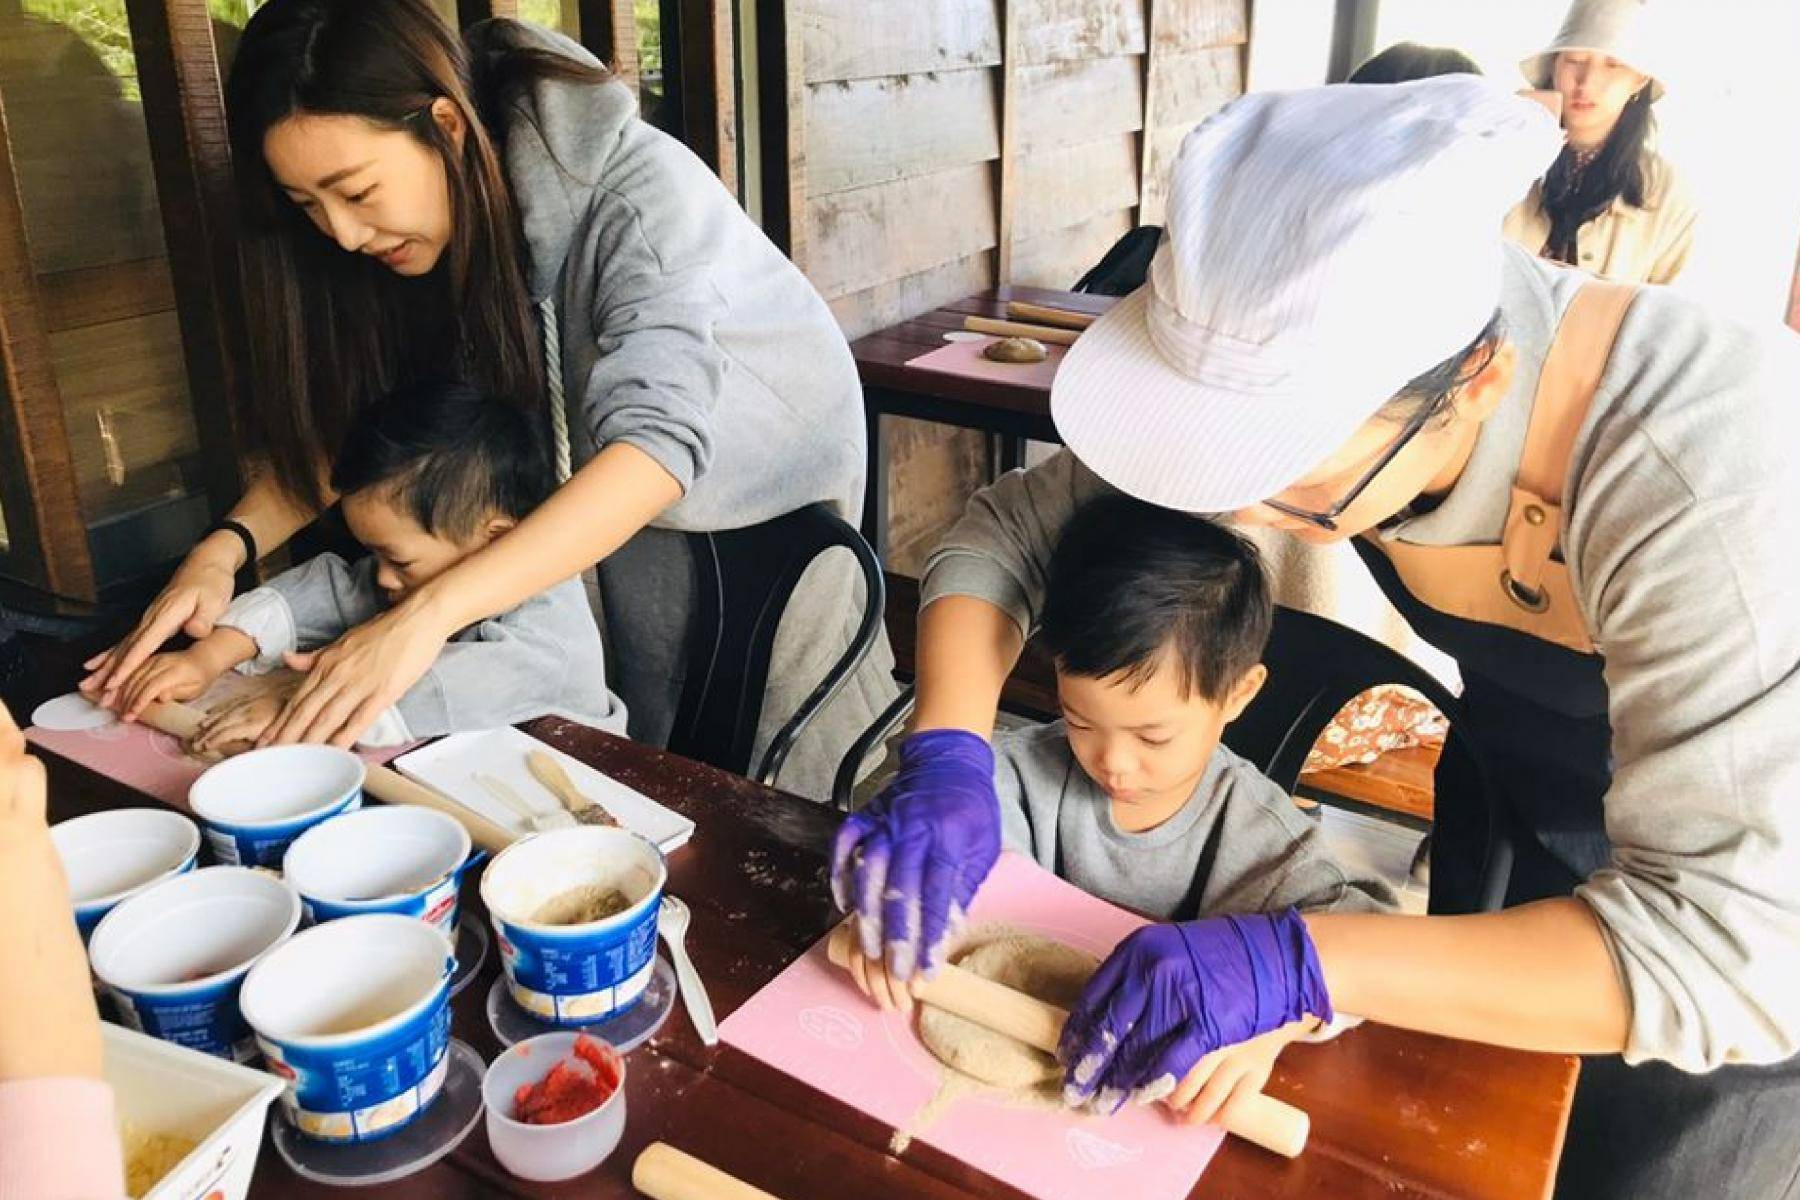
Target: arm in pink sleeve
<point x="59" y="1141"/>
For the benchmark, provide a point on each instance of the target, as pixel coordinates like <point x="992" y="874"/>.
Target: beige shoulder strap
<point x="1566" y="384"/>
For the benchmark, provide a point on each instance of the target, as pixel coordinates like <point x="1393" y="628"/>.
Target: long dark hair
<point x="1574" y="194"/>
<point x="331" y="331"/>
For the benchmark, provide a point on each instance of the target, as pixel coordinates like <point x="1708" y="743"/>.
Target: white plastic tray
<point x="450" y="765"/>
<point x="167" y="1089"/>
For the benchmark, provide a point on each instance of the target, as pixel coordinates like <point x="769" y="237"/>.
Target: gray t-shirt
<point x="1239" y="845"/>
<point x="1680" y="525"/>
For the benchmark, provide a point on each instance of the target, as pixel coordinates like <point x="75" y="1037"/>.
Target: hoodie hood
<point x="558" y="137"/>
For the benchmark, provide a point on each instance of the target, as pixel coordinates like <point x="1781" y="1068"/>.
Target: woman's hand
<point x="48" y="1023"/>
<point x="354" y="680"/>
<point x="195" y="597"/>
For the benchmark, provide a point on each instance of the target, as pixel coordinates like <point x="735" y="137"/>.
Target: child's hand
<point x="173" y="676"/>
<point x="875" y="981"/>
<point x="234" y="727"/>
<point x="48" y="1025"/>
<point x="1228" y="1077"/>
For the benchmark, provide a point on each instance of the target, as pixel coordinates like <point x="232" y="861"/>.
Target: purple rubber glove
<point x="1170" y="994"/>
<point x="912" y="860"/>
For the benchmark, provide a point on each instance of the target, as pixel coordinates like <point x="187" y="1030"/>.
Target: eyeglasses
<point x="1327" y="520"/>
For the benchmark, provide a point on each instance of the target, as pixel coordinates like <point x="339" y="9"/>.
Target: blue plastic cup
<point x="355" y="1015"/>
<point x="576" y="974"/>
<point x="112" y="856"/>
<point x="174" y="956"/>
<point x="252" y="807"/>
<point x="397" y="859"/>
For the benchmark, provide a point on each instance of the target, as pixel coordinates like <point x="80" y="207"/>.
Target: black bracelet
<point x="237" y="527"/>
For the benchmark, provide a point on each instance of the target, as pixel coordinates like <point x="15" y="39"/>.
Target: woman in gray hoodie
<point x="491" y="206"/>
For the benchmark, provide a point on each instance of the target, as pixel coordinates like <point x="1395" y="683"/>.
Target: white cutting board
<point x="450" y="764"/>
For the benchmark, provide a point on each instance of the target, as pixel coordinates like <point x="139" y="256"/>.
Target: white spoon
<point x="672" y="923"/>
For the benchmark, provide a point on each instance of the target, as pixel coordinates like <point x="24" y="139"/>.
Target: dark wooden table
<point x="1010" y="413"/>
<point x="1395" y="1114"/>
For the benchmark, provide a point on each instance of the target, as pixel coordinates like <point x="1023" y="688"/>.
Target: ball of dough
<point x="1037" y="966"/>
<point x="1016" y="350"/>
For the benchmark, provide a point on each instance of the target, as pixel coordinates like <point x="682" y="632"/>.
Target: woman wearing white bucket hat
<point x="1609" y="203"/>
<point x="1335" y="340"/>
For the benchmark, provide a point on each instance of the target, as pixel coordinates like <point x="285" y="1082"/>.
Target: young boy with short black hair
<point x="428" y="476"/>
<point x="1157" y="621"/>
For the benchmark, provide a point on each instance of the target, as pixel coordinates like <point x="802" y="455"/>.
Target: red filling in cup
<point x="573" y="1088"/>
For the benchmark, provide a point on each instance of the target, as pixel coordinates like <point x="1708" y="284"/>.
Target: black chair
<point x="744" y="579"/>
<point x="1316" y="666"/>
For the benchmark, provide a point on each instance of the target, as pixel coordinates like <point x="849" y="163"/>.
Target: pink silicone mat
<point x="964" y="358"/>
<point x="813" y="1024"/>
<point x="147" y="761"/>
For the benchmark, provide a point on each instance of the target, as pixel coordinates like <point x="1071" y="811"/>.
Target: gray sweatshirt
<point x="542" y="658"/>
<point x="1681" y="522"/>
<point x="1238" y="846"/>
<point x="683" y="331"/>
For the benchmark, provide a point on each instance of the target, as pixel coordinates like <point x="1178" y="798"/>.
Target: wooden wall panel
<point x="1068" y="185"/>
<point x="935" y="147"/>
<point x="894" y="300"/>
<point x="935" y="471"/>
<point x="868" y="131"/>
<point x="1198" y="24"/>
<point x="871" y="235"/>
<point x="1195" y="84"/>
<point x="856" y="39"/>
<point x="1058" y="258"/>
<point x="1078" y="30"/>
<point x="1069" y="102"/>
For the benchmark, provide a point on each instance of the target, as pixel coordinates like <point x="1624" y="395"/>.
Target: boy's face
<point x="1146" y="743"/>
<point x="406" y="556"/>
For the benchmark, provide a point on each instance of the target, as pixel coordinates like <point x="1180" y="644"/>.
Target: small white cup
<point x="548" y="1153"/>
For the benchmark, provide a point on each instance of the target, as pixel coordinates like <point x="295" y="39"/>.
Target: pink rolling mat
<point x="143" y="759"/>
<point x="964" y="358"/>
<point x="813" y="1024"/>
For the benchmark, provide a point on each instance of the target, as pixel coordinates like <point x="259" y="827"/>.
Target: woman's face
<point x="1428" y="464"/>
<point x="372" y="190"/>
<point x="1594" y="90"/>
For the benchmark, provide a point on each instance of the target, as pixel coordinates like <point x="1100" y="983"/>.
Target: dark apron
<point x="1537" y="711"/>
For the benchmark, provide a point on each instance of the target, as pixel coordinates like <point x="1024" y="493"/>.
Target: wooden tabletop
<point x="1394" y="1114"/>
<point x="881" y="357"/>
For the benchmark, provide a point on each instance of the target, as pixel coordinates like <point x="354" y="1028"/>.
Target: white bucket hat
<point x="1321" y="249"/>
<point x="1631" y="31"/>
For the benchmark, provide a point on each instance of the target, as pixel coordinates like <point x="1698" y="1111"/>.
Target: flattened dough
<point x="1038" y="966"/>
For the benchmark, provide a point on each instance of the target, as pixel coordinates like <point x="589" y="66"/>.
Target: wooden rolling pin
<point x="664" y="1173"/>
<point x="383" y="783"/>
<point x="1273" y="1124"/>
<point x="1043" y="333"/>
<point x="1018" y="310"/>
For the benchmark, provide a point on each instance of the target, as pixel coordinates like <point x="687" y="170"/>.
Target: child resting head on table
<point x="1157" y="622"/>
<point x="428" y="476"/>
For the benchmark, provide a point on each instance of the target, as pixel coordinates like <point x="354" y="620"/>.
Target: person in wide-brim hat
<point x="1609" y="203"/>
<point x="1581" y="491"/>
